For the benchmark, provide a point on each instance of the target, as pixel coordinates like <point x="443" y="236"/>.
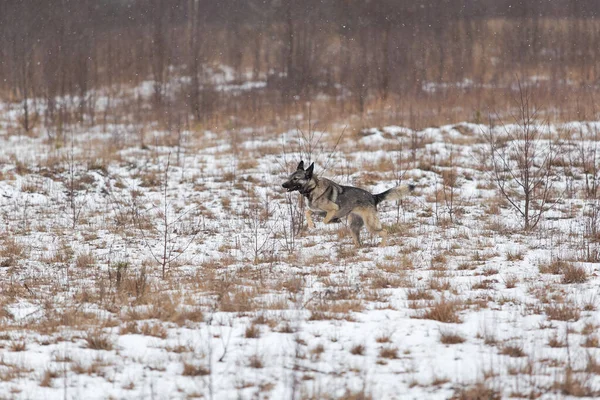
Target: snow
<point x="235" y="204"/>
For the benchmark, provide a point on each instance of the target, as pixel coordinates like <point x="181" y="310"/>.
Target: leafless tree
<point x="522" y="160"/>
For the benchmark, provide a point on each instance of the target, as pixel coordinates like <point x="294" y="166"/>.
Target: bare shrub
<point x="522" y="161"/>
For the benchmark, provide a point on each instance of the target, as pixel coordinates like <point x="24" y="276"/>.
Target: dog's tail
<point x="394" y="193"/>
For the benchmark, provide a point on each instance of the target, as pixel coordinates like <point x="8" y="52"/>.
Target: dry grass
<point x="591" y="341"/>
<point x="575" y="385"/>
<point x="18" y="346"/>
<point x="316" y="352"/>
<point x="562" y="312"/>
<point x="555" y="342"/>
<point x="419" y="294"/>
<point x="352" y="281"/>
<point x="512" y="350"/>
<point x="190" y="369"/>
<point x="256" y="361"/>
<point x="47" y="377"/>
<point x="439" y="284"/>
<point x="252" y="332"/>
<point x="477" y="391"/>
<point x="155" y="330"/>
<point x="447" y="337"/>
<point x="443" y="310"/>
<point x="510" y="281"/>
<point x="573" y="274"/>
<point x="515" y="255"/>
<point x="388" y="351"/>
<point x="98" y="340"/>
<point x="358" y="350"/>
<point x="555" y="267"/>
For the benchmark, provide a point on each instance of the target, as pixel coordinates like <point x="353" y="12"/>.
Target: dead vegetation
<point x="215" y="250"/>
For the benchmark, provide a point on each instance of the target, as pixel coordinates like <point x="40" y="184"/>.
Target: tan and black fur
<point x="337" y="201"/>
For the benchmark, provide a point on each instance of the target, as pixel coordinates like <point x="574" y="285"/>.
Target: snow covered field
<point x="183" y="270"/>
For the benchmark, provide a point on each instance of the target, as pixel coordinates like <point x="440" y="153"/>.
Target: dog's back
<point x="352" y="197"/>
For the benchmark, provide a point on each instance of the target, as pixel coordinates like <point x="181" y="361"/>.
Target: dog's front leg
<point x="331" y="211"/>
<point x="329" y="216"/>
<point x="309" y="221"/>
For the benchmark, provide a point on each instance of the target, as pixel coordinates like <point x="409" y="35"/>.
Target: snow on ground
<point x="253" y="305"/>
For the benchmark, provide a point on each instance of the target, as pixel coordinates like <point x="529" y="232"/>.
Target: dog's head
<point x="300" y="178"/>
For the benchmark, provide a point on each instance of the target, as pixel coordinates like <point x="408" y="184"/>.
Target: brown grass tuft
<point x="47" y="377"/>
<point x="443" y="310"/>
<point x="555" y="342"/>
<point x="388" y="352"/>
<point x="562" y="312"/>
<point x="419" y="294"/>
<point x="513" y="350"/>
<point x="358" y="350"/>
<point x="18" y="345"/>
<point x="591" y="341"/>
<point x="252" y="332"/>
<point x="255" y="361"/>
<point x="574" y="274"/>
<point x="155" y="330"/>
<point x="447" y="337"/>
<point x="97" y="340"/>
<point x="190" y="369"/>
<point x="478" y="391"/>
<point x="555" y="267"/>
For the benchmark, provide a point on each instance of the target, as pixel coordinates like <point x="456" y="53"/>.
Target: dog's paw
<point x="334" y="221"/>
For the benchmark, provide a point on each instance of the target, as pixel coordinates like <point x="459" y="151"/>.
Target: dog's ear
<point x="300" y="165"/>
<point x="309" y="171"/>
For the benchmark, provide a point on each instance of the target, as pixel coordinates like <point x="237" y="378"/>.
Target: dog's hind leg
<point x="309" y="221"/>
<point x="356" y="223"/>
<point x="369" y="215"/>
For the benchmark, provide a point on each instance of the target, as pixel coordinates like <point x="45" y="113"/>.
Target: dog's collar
<point x="306" y="192"/>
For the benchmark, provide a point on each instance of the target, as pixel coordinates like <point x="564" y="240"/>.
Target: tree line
<point x="357" y="50"/>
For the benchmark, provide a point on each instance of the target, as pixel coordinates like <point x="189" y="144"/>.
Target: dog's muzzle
<point x="290" y="187"/>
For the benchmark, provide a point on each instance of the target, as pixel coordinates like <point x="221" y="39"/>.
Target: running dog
<point x="338" y="201"/>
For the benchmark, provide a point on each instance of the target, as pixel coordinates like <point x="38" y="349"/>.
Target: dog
<point x="337" y="201"/>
